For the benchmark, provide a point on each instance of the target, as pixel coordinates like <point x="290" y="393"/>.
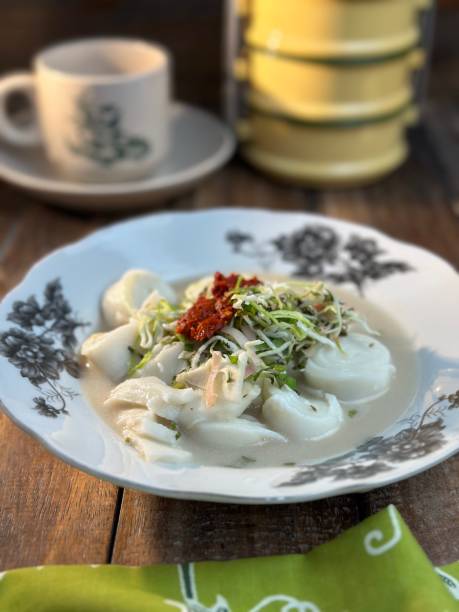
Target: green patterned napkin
<point x="376" y="566"/>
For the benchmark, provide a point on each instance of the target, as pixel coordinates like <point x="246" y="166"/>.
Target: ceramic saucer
<point x="200" y="145"/>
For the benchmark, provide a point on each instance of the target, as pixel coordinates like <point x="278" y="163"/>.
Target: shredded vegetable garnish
<point x="275" y="323"/>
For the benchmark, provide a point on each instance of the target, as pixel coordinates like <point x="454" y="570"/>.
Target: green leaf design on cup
<point x="100" y="135"/>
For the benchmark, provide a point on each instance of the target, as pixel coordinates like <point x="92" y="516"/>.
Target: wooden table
<point x="52" y="513"/>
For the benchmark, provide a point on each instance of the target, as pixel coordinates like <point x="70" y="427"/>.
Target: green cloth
<point x="375" y="566"/>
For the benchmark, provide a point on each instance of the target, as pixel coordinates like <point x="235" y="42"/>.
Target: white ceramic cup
<point x="101" y="108"/>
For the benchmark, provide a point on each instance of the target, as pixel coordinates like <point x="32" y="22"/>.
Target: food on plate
<point x="232" y="363"/>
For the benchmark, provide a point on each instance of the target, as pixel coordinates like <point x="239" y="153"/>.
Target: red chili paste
<point x="210" y="314"/>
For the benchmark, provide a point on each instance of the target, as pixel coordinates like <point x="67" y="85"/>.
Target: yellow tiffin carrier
<point x="329" y="91"/>
<point x="329" y="87"/>
<point x="338" y="155"/>
<point x="334" y="29"/>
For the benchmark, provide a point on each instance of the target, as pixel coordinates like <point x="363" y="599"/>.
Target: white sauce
<point x="361" y="422"/>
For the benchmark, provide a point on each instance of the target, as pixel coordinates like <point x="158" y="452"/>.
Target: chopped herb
<point x="285" y="379"/>
<point x="234" y="359"/>
<point x="351" y="413"/>
<point x="173" y="426"/>
<point x="134" y="358"/>
<point x="178" y="385"/>
<point x="237" y="286"/>
<point x="138" y="365"/>
<point x="188" y="345"/>
<point x="241" y="462"/>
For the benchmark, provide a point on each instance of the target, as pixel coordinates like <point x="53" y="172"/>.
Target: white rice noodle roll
<point x="142" y="422"/>
<point x="236" y="433"/>
<point x="151" y="392"/>
<point x="109" y="351"/>
<point x="301" y="418"/>
<point x="362" y="370"/>
<point x="165" y="364"/>
<point x="223" y="410"/>
<point x="135" y="288"/>
<point x="184" y="406"/>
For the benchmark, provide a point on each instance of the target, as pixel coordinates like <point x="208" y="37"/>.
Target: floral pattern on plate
<point x="42" y="346"/>
<point x="318" y="251"/>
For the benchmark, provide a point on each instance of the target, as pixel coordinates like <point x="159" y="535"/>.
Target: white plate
<point x="40" y="331"/>
<point x="200" y="144"/>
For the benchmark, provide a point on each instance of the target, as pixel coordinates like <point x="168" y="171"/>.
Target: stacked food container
<point x="329" y="87"/>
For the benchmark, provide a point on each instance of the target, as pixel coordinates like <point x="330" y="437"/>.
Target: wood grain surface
<point x="52" y="513"/>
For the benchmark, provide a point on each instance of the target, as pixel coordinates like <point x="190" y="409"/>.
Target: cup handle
<point x="22" y="136"/>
